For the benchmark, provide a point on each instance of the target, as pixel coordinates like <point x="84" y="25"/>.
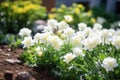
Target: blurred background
<point x="16" y="14"/>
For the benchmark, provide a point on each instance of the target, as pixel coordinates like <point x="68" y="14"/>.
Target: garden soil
<point x="18" y="70"/>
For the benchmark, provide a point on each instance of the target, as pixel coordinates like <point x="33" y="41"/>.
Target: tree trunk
<point x="49" y="4"/>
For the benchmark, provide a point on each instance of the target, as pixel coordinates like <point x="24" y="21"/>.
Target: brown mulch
<point x="9" y="71"/>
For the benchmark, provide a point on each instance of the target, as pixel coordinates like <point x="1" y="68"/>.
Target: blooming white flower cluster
<point x="85" y="38"/>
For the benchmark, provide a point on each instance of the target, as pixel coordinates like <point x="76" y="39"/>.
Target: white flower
<point x="91" y="42"/>
<point x="68" y="18"/>
<point x="87" y="31"/>
<point x="27" y="42"/>
<point x="78" y="51"/>
<point x="25" y="32"/>
<point x="37" y="37"/>
<point x="116" y="41"/>
<point x="97" y="26"/>
<point x="109" y="63"/>
<point x="76" y="40"/>
<point x="117" y="32"/>
<point x="68" y="32"/>
<point x="44" y="37"/>
<point x="106" y="36"/>
<point x="62" y="25"/>
<point x="82" y="26"/>
<point x="55" y="41"/>
<point x="68" y="57"/>
<point x="48" y="29"/>
<point x="101" y="20"/>
<point x="52" y="23"/>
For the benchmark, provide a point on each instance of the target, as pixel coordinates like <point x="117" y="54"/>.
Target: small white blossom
<point x="44" y="37"/>
<point x="106" y="36"/>
<point x="68" y="32"/>
<point x="82" y="26"/>
<point x="52" y="23"/>
<point x="109" y="63"/>
<point x="78" y="51"/>
<point x="48" y="29"/>
<point x="37" y="37"/>
<point x="91" y="42"/>
<point x="55" y="41"/>
<point x="76" y="40"/>
<point x="101" y="20"/>
<point x="68" y="18"/>
<point x="116" y="41"/>
<point x="68" y="57"/>
<point x="28" y="42"/>
<point x="97" y="26"/>
<point x="87" y="31"/>
<point x="39" y="51"/>
<point x="62" y="25"/>
<point x="25" y="32"/>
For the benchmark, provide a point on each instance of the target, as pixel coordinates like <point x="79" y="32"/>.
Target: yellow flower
<point x="51" y="16"/>
<point x="77" y="10"/>
<point x="5" y="4"/>
<point x="20" y="10"/>
<point x="60" y="10"/>
<point x="93" y="20"/>
<point x="80" y="6"/>
<point x="89" y="13"/>
<point x="63" y="6"/>
<point x="53" y="9"/>
<point x="74" y="5"/>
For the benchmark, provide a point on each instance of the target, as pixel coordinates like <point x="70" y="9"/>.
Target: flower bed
<point x="73" y="15"/>
<point x="85" y="54"/>
<point x="18" y="14"/>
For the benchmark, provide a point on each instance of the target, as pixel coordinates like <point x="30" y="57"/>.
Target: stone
<point x="8" y="75"/>
<point x="12" y="61"/>
<point x="1" y="76"/>
<point x="23" y="76"/>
